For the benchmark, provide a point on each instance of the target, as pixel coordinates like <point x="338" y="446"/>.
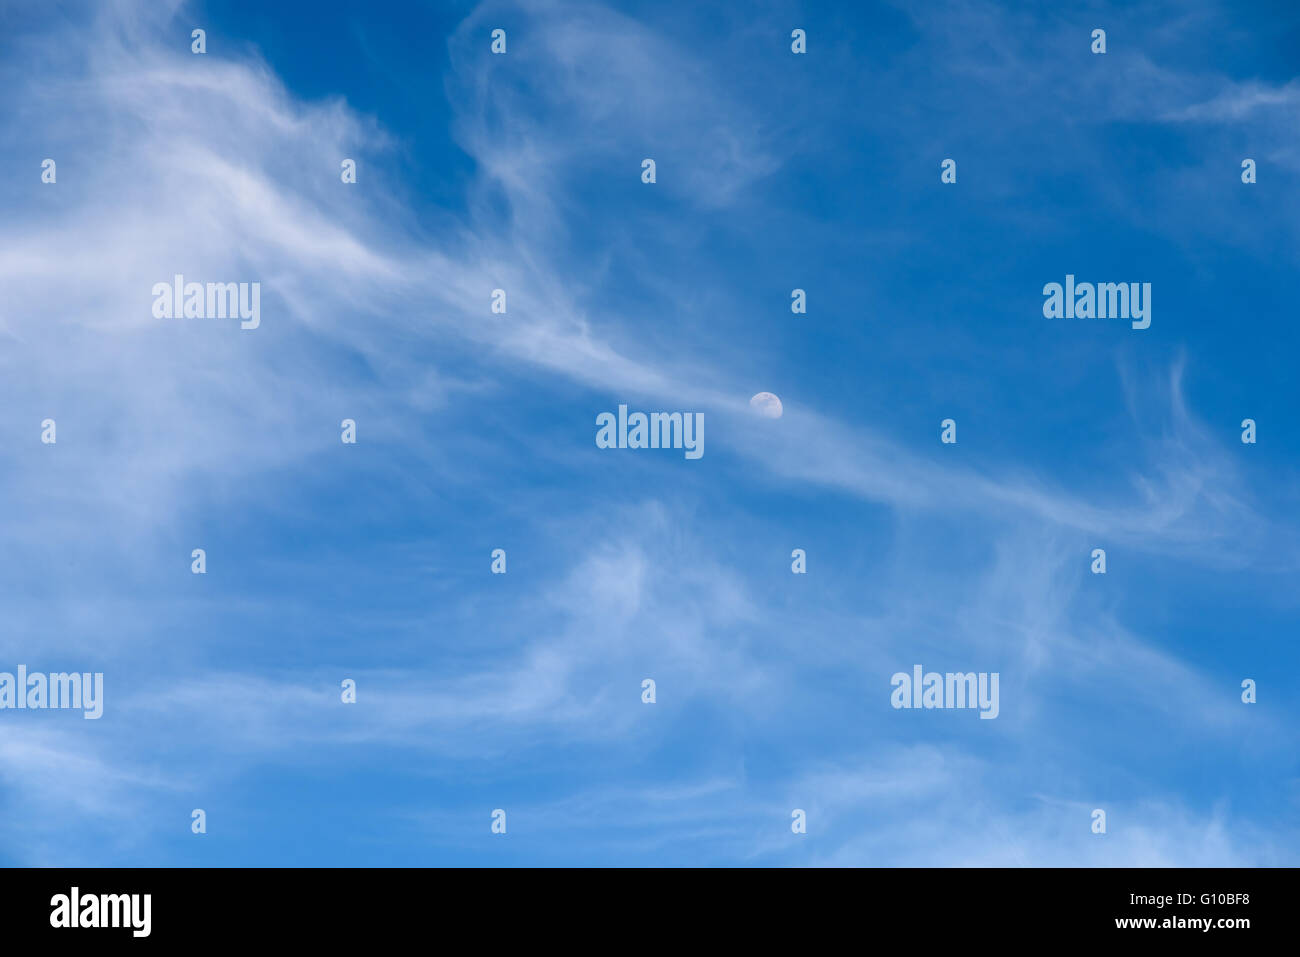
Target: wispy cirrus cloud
<point x="212" y="166"/>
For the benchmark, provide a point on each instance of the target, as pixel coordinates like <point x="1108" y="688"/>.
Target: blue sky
<point x="476" y="431"/>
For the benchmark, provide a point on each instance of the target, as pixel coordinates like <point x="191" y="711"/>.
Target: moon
<point x="767" y="405"/>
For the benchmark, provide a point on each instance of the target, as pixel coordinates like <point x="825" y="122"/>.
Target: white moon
<point x="766" y="405"/>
